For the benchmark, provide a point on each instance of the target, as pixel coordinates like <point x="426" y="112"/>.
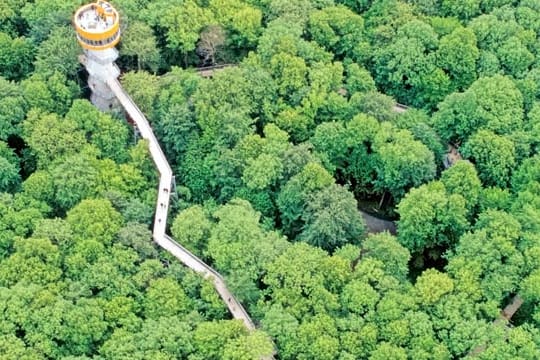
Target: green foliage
<point x="419" y="124"/>
<point x="290" y="73"/>
<point x="493" y="155"/>
<point x="9" y="169"/>
<point x="492" y="103"/>
<point x="527" y="173"/>
<point x="295" y="193"/>
<point x="139" y="42"/>
<point x="457" y="53"/>
<point x="164" y="338"/>
<point x="521" y="343"/>
<point x="16" y="56"/>
<point x="240" y="248"/>
<point x="139" y="238"/>
<point x="388" y="351"/>
<point x="252" y="346"/>
<point x="461" y="9"/>
<point x="143" y="88"/>
<point x="14" y="348"/>
<point x="52" y="93"/>
<point x="358" y="79"/>
<point x="165" y="298"/>
<point x="432" y="285"/>
<point x="338" y="30"/>
<point x="242" y="21"/>
<point x="73" y="180"/>
<point x="262" y="171"/>
<point x="462" y="179"/>
<point x="12" y="108"/>
<point x="405" y="69"/>
<point x="390" y="252"/>
<point x="401" y="162"/>
<point x="515" y="57"/>
<point x="429" y="217"/>
<point x="491" y="268"/>
<point x="173" y="118"/>
<point x="35" y="261"/>
<point x="94" y="220"/>
<point x="10" y="14"/>
<point x="500" y="104"/>
<point x="211" y="338"/>
<point x="108" y="134"/>
<point x="495" y="198"/>
<point x="289" y="142"/>
<point x="348" y="148"/>
<point x="222" y="109"/>
<point x="191" y="228"/>
<point x="374" y="104"/>
<point x="52" y="138"/>
<point x="305" y="281"/>
<point x="58" y="53"/>
<point x="42" y="16"/>
<point x="181" y="23"/>
<point x="331" y="219"/>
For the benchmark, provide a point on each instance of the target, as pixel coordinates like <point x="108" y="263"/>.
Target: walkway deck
<point x="162" y="207"/>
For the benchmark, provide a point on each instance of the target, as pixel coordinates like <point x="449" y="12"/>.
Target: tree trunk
<point x="381" y="202"/>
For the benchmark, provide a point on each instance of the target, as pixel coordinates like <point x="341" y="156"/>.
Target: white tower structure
<point x="98" y="32"/>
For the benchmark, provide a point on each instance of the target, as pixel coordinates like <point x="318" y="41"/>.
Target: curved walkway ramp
<point x="160" y="220"/>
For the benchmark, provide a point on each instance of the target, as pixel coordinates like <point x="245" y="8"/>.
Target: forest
<point x="276" y="155"/>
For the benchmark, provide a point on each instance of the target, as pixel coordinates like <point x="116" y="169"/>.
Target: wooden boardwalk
<point x="208" y="71"/>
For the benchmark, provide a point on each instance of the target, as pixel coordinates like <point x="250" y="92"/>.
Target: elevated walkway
<point x="162" y="207"/>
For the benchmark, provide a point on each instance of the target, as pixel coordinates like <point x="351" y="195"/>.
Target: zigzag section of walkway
<point x="160" y="221"/>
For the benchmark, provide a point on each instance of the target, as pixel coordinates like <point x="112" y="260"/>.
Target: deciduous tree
<point x="139" y="42"/>
<point x="462" y="179"/>
<point x="429" y="217"/>
<point x="9" y="169"/>
<point x="401" y="161"/>
<point x="16" y="56"/>
<point x="191" y="228"/>
<point x="338" y="30"/>
<point x="59" y="53"/>
<point x="94" y="220"/>
<point x="294" y="195"/>
<point x="457" y="54"/>
<point x="12" y="108"/>
<point x="331" y="219"/>
<point x="493" y="155"/>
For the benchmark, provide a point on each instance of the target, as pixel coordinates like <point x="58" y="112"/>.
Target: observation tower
<point x="98" y="32"/>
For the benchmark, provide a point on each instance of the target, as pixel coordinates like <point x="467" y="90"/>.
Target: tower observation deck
<point x="97" y="26"/>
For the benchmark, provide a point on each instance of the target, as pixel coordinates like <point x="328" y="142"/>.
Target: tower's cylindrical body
<point x="98" y="31"/>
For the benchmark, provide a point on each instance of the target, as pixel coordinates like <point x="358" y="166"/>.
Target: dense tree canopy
<point x="290" y="164"/>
